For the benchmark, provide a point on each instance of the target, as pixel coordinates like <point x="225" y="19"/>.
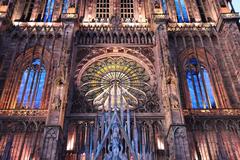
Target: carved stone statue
<point x="156" y="4"/>
<point x="57" y="103"/>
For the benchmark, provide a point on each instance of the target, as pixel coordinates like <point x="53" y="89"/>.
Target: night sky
<point x="236" y="4"/>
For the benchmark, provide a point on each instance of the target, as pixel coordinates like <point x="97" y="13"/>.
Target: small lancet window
<point x="199" y="86"/>
<point x="48" y="13"/>
<point x="65" y="6"/>
<point x="31" y="87"/>
<point x="164" y="6"/>
<point x="182" y="15"/>
<point x="201" y="10"/>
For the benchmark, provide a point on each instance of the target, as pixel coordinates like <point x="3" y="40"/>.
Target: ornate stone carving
<point x="57" y="103"/>
<point x="115" y="148"/>
<point x="24" y="113"/>
<point x="152" y="104"/>
<point x="212" y="112"/>
<point x="115" y="21"/>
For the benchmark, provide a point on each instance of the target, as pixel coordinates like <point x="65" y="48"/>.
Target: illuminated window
<point x="115" y="82"/>
<point x="102" y="9"/>
<point x="65" y="6"/>
<point x="199" y="86"/>
<point x="164" y="6"/>
<point x="49" y="11"/>
<point x="181" y="10"/>
<point x="31" y="87"/>
<point x="127" y="9"/>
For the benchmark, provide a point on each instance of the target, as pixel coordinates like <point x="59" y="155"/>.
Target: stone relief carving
<point x="180" y="133"/>
<point x="152" y="104"/>
<point x="115" y="148"/>
<point x="115" y="21"/>
<point x="156" y="4"/>
<point x="57" y="103"/>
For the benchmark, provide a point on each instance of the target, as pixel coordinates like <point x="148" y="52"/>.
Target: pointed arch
<point x="26" y="81"/>
<point x="198" y="76"/>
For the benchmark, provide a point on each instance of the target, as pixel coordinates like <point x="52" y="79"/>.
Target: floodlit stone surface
<point x="107" y="79"/>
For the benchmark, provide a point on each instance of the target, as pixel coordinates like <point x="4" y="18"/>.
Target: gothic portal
<point x="119" y="80"/>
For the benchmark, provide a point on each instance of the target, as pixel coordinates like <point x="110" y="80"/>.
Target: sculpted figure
<point x="57" y="103"/>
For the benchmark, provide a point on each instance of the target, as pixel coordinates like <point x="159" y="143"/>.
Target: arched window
<point x="48" y="13"/>
<point x="199" y="85"/>
<point x="181" y="10"/>
<point x="31" y="87"/>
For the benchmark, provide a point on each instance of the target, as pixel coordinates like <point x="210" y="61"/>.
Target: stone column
<point x="174" y="121"/>
<point x="52" y="146"/>
<point x="229" y="45"/>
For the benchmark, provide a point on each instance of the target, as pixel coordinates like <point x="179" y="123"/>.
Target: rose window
<point x="115" y="83"/>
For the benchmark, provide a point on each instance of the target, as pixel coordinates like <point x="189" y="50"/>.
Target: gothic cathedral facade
<point x="119" y="80"/>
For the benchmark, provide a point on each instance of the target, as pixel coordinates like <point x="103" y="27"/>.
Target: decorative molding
<point x="23" y="113"/>
<point x="179" y="27"/>
<point x="226" y="17"/>
<point x="212" y="112"/>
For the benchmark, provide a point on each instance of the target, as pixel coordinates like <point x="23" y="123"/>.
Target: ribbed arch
<point x="201" y="88"/>
<point x="199" y="85"/>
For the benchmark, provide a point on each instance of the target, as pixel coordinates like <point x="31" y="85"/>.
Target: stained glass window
<point x="199" y="86"/>
<point x="31" y="87"/>
<point x="49" y="11"/>
<point x="115" y="82"/>
<point x="181" y="10"/>
<point x="65" y="6"/>
<point x="164" y="6"/>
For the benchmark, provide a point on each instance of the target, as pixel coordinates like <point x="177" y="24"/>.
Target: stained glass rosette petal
<point x="115" y="82"/>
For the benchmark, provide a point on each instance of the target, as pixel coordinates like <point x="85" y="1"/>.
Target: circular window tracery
<point x="114" y="83"/>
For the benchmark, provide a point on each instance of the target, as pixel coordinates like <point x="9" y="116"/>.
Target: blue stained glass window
<point x="184" y="11"/>
<point x="164" y="6"/>
<point x="203" y="94"/>
<point x="31" y="87"/>
<point x="199" y="97"/>
<point x="178" y="10"/>
<point x="199" y="86"/>
<point x="23" y="81"/>
<point x="49" y="11"/>
<point x="209" y="89"/>
<point x="191" y="90"/>
<point x="181" y="10"/>
<point x="65" y="6"/>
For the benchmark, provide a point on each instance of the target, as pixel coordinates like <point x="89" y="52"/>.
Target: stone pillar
<point x="53" y="143"/>
<point x="229" y="44"/>
<point x="174" y="121"/>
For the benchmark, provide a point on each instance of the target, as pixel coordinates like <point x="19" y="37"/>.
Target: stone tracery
<point x="103" y="111"/>
<point x="115" y="79"/>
